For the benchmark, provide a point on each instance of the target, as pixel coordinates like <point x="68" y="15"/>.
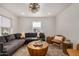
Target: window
<point x="5" y="22"/>
<point x="36" y="26"/>
<point x="5" y="25"/>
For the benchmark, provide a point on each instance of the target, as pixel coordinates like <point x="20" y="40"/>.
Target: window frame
<point x="10" y="28"/>
<point x="38" y="26"/>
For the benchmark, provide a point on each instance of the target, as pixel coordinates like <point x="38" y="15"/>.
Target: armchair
<point x="58" y="39"/>
<point x="49" y="39"/>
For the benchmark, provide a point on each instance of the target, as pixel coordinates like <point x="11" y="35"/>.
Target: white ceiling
<point x="46" y="9"/>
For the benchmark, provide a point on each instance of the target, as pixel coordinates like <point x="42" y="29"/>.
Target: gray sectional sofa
<point x="10" y="43"/>
<point x="33" y="37"/>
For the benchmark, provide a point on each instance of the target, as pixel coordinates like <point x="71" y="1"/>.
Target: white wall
<point x="67" y="23"/>
<point x="14" y="19"/>
<point x="48" y="24"/>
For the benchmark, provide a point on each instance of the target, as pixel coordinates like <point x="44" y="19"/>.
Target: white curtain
<point x="0" y="21"/>
<point x="0" y="25"/>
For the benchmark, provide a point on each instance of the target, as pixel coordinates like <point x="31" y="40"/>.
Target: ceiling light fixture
<point x="34" y="7"/>
<point x="23" y="13"/>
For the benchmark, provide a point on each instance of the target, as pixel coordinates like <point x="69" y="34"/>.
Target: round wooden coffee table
<point x="37" y="50"/>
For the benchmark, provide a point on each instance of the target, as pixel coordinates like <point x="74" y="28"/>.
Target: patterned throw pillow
<point x="17" y="35"/>
<point x="10" y="37"/>
<point x="2" y="39"/>
<point x="58" y="38"/>
<point x="22" y="35"/>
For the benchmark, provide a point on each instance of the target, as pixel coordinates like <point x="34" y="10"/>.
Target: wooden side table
<point x="73" y="52"/>
<point x="67" y="46"/>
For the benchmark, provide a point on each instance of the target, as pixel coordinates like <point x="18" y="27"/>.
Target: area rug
<point x="52" y="51"/>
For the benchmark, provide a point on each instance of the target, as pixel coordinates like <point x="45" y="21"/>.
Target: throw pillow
<point x="2" y="39"/>
<point x="22" y="35"/>
<point x="58" y="38"/>
<point x="17" y="35"/>
<point x="10" y="37"/>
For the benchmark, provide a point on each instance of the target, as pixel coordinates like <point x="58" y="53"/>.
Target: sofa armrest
<point x="43" y="39"/>
<point x="52" y="37"/>
<point x="4" y="54"/>
<point x="1" y="46"/>
<point x="2" y="50"/>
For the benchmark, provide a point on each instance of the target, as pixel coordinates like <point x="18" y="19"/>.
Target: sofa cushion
<point x="17" y="36"/>
<point x="2" y="39"/>
<point x="42" y="35"/>
<point x="10" y="37"/>
<point x="30" y="34"/>
<point x="13" y="45"/>
<point x="13" y="42"/>
<point x="6" y="38"/>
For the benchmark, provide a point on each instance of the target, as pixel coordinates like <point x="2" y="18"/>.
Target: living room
<point x="50" y="19"/>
